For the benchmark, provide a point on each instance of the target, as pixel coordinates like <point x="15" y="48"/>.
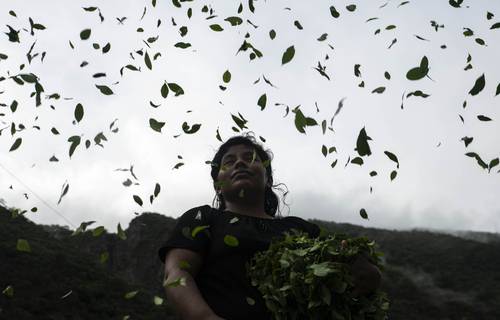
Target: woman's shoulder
<point x="201" y="212"/>
<point x="311" y="228"/>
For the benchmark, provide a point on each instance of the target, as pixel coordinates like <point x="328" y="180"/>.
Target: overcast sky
<point x="437" y="185"/>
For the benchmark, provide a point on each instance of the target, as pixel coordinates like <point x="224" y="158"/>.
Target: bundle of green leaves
<point x="304" y="278"/>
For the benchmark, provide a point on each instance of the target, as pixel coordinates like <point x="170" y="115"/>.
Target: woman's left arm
<point x="367" y="276"/>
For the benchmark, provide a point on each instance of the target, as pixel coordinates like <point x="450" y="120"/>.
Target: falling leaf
<point x="85" y="34"/>
<point x="493" y="163"/>
<point x="216" y="27"/>
<point x="379" y="90"/>
<point x="156" y="125"/>
<point x="78" y="112"/>
<point x="394" y="173"/>
<point x="75" y="141"/>
<point x="272" y="34"/>
<point x="104" y="89"/>
<point x="467" y="140"/>
<point x="190" y="130"/>
<point x="231" y="240"/>
<point x="8" y="291"/>
<point x="130" y="295"/>
<point x="164" y="90"/>
<point x="137" y="200"/>
<point x="363" y="214"/>
<point x="351" y="7"/>
<point x="483" y="118"/>
<point x="288" y="55"/>
<point x="362" y="146"/>
<point x="393" y="157"/>
<point x="226" y="77"/>
<point x="175" y="88"/>
<point x="23" y="245"/>
<point x="478" y="85"/>
<point x="262" y="101"/>
<point x="323" y="37"/>
<point x="334" y="12"/>
<point x="297" y="24"/>
<point x="358" y="161"/>
<point x="157" y="301"/>
<point x="456" y="3"/>
<point x="16" y="144"/>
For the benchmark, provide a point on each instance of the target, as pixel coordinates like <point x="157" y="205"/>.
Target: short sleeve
<point x="192" y="231"/>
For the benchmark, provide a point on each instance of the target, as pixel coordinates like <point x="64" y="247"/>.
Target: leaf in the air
<point x="85" y="34"/>
<point x="182" y="45"/>
<point x="156" y="125"/>
<point x="456" y="3"/>
<point x="234" y="21"/>
<point x="393" y="157"/>
<point x="190" y="130"/>
<point x="262" y="101"/>
<point x="147" y="61"/>
<point x="478" y="85"/>
<point x="298" y="25"/>
<point x="387" y="75"/>
<point x="379" y="90"/>
<point x="75" y="141"/>
<point x="231" y="240"/>
<point x="131" y="294"/>
<point x="16" y="144"/>
<point x="216" y="27"/>
<point x="334" y="12"/>
<point x="226" y="77"/>
<point x="363" y="214"/>
<point x="351" y="7"/>
<point x="373" y="173"/>
<point x="324" y="150"/>
<point x="178" y="165"/>
<point x="157" y="190"/>
<point x="104" y="89"/>
<point x="9" y="290"/>
<point x="493" y="163"/>
<point x="478" y="159"/>
<point x="483" y="118"/>
<point x="498" y="90"/>
<point x="357" y="73"/>
<point x="272" y="34"/>
<point x="79" y="112"/>
<point x="362" y="146"/>
<point x="495" y="26"/>
<point x="394" y="173"/>
<point x="98" y="231"/>
<point x="467" y="140"/>
<point x="480" y="41"/>
<point x="489" y="15"/>
<point x="417" y="93"/>
<point x="121" y="233"/>
<point x="358" y="161"/>
<point x="175" y="88"/>
<point x="137" y="199"/>
<point x="323" y="37"/>
<point x="164" y="90"/>
<point x="288" y="55"/>
<point x="64" y="191"/>
<point x="23" y="245"/>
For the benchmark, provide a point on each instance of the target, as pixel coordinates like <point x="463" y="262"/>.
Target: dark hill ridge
<point x="428" y="275"/>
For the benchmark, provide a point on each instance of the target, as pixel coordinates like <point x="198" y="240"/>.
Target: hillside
<point x="427" y="275"/>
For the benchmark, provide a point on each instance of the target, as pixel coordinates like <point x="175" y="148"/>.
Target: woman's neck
<point x="244" y="209"/>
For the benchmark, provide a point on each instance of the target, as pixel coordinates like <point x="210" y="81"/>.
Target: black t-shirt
<point x="222" y="279"/>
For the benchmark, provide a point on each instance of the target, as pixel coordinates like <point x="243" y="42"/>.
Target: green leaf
<point x="419" y="72"/>
<point x="262" y="101"/>
<point x="495" y="26"/>
<point x="78" y="112"/>
<point x="164" y="90"/>
<point x="362" y="146"/>
<point x="175" y="88"/>
<point x="231" y="241"/>
<point x="234" y="21"/>
<point x="85" y="34"/>
<point x="387" y="75"/>
<point x="75" y="141"/>
<point x="104" y="257"/>
<point x="157" y="190"/>
<point x="156" y="125"/>
<point x="483" y="118"/>
<point x="131" y="294"/>
<point x="106" y="48"/>
<point x="394" y="173"/>
<point x="121" y="233"/>
<point x="393" y="157"/>
<point x="489" y="15"/>
<point x="272" y="34"/>
<point x="23" y="245"/>
<point x="104" y="89"/>
<point x="373" y="173"/>
<point x="147" y="61"/>
<point x="216" y="27"/>
<point x="198" y="229"/>
<point x="288" y="55"/>
<point x="498" y="90"/>
<point x="194" y="128"/>
<point x="478" y="85"/>
<point x="480" y="41"/>
<point x="379" y="90"/>
<point x="493" y="163"/>
<point x="137" y="199"/>
<point x="8" y="291"/>
<point x="358" y="161"/>
<point x="157" y="301"/>
<point x="334" y="12"/>
<point x="478" y="159"/>
<point x="98" y="231"/>
<point x="298" y="25"/>
<point x="226" y="77"/>
<point x="182" y="45"/>
<point x="16" y="144"/>
<point x="351" y="7"/>
<point x="324" y="150"/>
<point x="363" y="214"/>
<point x="455" y="3"/>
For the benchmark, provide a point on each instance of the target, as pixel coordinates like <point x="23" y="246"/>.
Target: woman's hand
<point x="367" y="277"/>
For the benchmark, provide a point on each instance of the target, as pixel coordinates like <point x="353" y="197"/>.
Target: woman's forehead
<point x="239" y="148"/>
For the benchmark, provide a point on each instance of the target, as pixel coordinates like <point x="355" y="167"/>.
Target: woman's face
<point x="241" y="169"/>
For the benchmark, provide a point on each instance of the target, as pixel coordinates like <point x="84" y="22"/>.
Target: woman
<point x="210" y="247"/>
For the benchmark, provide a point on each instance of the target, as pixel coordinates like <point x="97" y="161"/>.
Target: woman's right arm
<point x="186" y="299"/>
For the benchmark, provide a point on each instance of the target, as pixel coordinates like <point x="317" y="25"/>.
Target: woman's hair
<point x="271" y="200"/>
